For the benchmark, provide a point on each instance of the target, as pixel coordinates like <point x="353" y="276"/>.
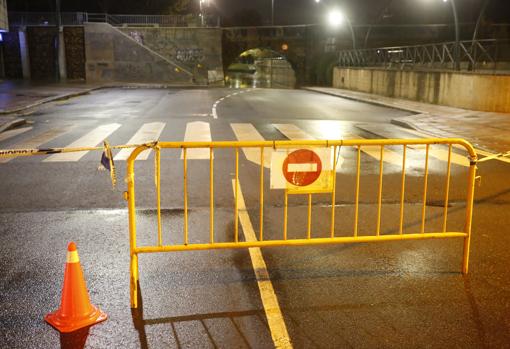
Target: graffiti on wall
<point x="189" y="55"/>
<point x="137" y="36"/>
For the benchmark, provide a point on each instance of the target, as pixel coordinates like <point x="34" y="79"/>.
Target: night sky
<point x="257" y="12"/>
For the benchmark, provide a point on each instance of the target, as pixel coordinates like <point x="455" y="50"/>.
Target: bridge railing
<point x="488" y="54"/>
<point x="79" y="18"/>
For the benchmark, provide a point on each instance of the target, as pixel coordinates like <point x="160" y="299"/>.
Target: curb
<point x="48" y="100"/>
<point x="87" y="91"/>
<point x="12" y="124"/>
<point x="404" y="124"/>
<point x="365" y="100"/>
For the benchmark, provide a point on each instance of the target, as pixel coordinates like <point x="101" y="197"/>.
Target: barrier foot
<point x="465" y="256"/>
<point x="134" y="282"/>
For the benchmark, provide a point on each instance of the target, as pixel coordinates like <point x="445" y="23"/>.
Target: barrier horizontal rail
<point x="284" y="240"/>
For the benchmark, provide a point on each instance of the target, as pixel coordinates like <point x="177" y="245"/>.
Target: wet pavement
<point x="384" y="295"/>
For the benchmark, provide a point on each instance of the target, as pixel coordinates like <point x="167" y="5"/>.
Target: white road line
<point x="293" y="132"/>
<point x="478" y="151"/>
<point x="197" y="131"/>
<point x="11" y="133"/>
<point x="91" y="139"/>
<point x="374" y="151"/>
<point x="147" y="133"/>
<point x="248" y="132"/>
<point x="39" y="140"/>
<point x="215" y="104"/>
<point x="272" y="309"/>
<point x="436" y="151"/>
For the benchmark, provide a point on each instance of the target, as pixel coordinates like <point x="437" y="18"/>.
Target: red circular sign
<point x="302" y="167"/>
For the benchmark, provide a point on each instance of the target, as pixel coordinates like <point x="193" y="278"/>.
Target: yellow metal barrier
<point x="358" y="145"/>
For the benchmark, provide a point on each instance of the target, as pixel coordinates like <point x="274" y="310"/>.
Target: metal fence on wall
<point x="79" y="18"/>
<point x="474" y="55"/>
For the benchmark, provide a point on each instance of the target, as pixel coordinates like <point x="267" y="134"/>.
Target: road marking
<point x="272" y="309"/>
<point x="478" y="151"/>
<point x="39" y="140"/>
<point x="294" y="133"/>
<point x="214" y="111"/>
<point x="91" y="139"/>
<point x="11" y="133"/>
<point x="435" y="151"/>
<point x="197" y="131"/>
<point x="147" y="133"/>
<point x="248" y="132"/>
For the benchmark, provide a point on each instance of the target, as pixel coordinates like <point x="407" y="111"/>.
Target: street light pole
<point x="456" y="49"/>
<point x="272" y="12"/>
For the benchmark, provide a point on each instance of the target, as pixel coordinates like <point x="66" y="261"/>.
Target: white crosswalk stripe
<point x="294" y="133"/>
<point x="335" y="130"/>
<point x="38" y="140"/>
<point x="91" y="139"/>
<point x="248" y="132"/>
<point x="197" y="131"/>
<point x="147" y="133"/>
<point x="436" y="151"/>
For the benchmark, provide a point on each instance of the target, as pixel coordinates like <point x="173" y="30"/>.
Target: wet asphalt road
<point x="379" y="295"/>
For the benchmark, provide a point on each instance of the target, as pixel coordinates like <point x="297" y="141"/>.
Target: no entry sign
<point x="300" y="171"/>
<point x="302" y="167"/>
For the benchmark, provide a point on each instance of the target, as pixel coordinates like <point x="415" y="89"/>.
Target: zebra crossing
<point x="200" y="131"/>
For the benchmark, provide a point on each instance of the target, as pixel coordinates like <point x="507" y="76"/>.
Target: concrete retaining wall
<point x="197" y="49"/>
<point x="462" y="90"/>
<point x="113" y="56"/>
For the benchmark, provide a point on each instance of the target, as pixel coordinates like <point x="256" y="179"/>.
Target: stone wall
<point x="196" y="49"/>
<point x="43" y="53"/>
<point x="112" y="55"/>
<point x="483" y="92"/>
<point x="74" y="38"/>
<point x="12" y="56"/>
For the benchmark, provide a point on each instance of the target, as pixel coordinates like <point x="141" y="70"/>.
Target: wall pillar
<point x="25" y="59"/>
<point x="62" y="72"/>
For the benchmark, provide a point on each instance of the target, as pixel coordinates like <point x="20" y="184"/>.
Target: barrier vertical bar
<point x="158" y="192"/>
<point x="211" y="194"/>
<point x="285" y="211"/>
<point x="356" y="209"/>
<point x="402" y="190"/>
<point x="379" y="195"/>
<point x="236" y="208"/>
<point x="425" y="187"/>
<point x="185" y="177"/>
<point x="469" y="213"/>
<point x="261" y="222"/>
<point x="133" y="269"/>
<point x="333" y="194"/>
<point x="447" y="188"/>
<point x="309" y="228"/>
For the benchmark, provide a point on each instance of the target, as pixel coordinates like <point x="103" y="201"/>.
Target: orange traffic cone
<point x="75" y="310"/>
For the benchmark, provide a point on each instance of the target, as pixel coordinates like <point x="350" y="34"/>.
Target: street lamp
<point x="456" y="48"/>
<point x="335" y="19"/>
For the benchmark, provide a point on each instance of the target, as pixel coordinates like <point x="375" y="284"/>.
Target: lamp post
<point x="272" y="12"/>
<point x="456" y="50"/>
<point x="456" y="47"/>
<point x="336" y="18"/>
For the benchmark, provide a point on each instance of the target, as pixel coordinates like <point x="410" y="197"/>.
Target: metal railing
<point x="473" y="55"/>
<point x="79" y="18"/>
<point x="186" y="242"/>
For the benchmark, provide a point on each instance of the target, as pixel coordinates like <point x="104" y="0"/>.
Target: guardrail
<point x="285" y="238"/>
<point x="473" y="55"/>
<point x="79" y="18"/>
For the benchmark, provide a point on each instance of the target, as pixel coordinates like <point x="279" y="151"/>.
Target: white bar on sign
<point x="305" y="167"/>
